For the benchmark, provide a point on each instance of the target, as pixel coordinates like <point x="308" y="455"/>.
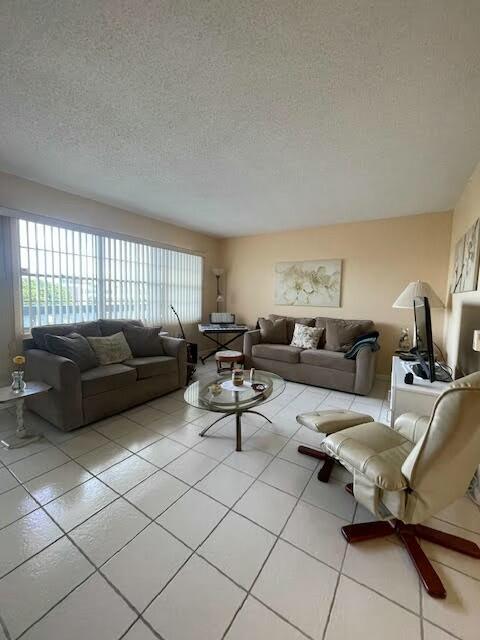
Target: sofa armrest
<point x="250" y="338"/>
<point x="62" y="406"/>
<point x="365" y="371"/>
<point x="177" y="348"/>
<point x="365" y="460"/>
<point x="57" y="371"/>
<point x="411" y="426"/>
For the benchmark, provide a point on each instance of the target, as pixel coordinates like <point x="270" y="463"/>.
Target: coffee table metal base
<point x="238" y="422"/>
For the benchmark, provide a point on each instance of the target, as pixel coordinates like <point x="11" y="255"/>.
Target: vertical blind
<point x="70" y="275"/>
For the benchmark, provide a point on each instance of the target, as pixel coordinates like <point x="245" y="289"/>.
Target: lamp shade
<point x="217" y="271"/>
<point x="476" y="340"/>
<point x="415" y="290"/>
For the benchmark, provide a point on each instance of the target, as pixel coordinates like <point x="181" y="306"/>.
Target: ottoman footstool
<point x="230" y="358"/>
<point x="325" y="423"/>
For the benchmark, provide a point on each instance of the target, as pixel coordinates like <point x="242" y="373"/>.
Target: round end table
<point x="229" y="357"/>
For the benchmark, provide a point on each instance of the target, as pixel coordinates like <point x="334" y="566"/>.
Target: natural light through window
<point x="69" y="275"/>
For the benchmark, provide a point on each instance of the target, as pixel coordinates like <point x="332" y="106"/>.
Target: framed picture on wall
<point x="466" y="262"/>
<point x="310" y="283"/>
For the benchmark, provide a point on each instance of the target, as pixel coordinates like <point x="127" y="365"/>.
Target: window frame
<point x="15" y="217"/>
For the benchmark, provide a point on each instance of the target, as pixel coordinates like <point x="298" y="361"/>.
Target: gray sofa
<point x="320" y="367"/>
<point x="78" y="398"/>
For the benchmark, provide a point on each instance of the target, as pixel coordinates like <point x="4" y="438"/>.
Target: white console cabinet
<point x="418" y="397"/>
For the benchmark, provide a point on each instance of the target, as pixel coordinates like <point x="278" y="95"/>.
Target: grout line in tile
<point x="255" y="478"/>
<point x="3" y="627"/>
<point x="324" y="635"/>
<point x="277" y="538"/>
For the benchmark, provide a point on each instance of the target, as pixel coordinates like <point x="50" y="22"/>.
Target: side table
<point x="10" y="398"/>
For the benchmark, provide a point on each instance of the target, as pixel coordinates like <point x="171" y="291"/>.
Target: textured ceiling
<point x="237" y="116"/>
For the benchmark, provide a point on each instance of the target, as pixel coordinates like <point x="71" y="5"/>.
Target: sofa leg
<point x="329" y="463"/>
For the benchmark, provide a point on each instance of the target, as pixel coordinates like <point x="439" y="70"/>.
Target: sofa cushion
<point x="281" y="352"/>
<point x="111" y="349"/>
<point x="273" y="331"/>
<point x="106" y="378"/>
<point x="153" y="366"/>
<point x="327" y="359"/>
<point x="74" y="347"/>
<point x="108" y="327"/>
<point x="144" y="341"/>
<point x="83" y="328"/>
<point x="341" y="334"/>
<point x="291" y="322"/>
<point x="321" y="323"/>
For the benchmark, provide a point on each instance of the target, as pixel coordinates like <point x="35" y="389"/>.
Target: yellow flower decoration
<point x="19" y="360"/>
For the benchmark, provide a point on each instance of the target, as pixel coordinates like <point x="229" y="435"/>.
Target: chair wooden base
<point x="408" y="534"/>
<point x="327" y="467"/>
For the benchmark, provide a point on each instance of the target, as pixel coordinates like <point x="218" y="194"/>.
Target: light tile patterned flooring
<point x="137" y="528"/>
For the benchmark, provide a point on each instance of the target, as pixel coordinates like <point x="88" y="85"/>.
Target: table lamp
<point x="417" y="289"/>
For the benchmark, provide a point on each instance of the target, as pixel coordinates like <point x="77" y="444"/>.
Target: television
<point x="423" y="349"/>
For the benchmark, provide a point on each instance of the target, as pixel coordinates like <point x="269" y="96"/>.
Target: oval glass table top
<point x="211" y="396"/>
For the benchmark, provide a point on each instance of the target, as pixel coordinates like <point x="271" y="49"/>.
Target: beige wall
<point x="379" y="259"/>
<point x="463" y="309"/>
<point x="16" y="193"/>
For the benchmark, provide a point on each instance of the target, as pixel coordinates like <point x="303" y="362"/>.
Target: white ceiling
<point x="235" y="116"/>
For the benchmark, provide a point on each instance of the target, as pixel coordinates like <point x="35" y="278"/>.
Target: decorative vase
<point x="18" y="383"/>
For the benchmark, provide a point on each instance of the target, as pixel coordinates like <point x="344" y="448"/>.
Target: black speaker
<point x="192" y="352"/>
<point x="408" y="378"/>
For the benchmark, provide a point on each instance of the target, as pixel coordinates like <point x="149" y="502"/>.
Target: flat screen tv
<point x="423" y="348"/>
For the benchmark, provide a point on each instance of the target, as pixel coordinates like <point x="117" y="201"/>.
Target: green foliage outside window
<point x="45" y="292"/>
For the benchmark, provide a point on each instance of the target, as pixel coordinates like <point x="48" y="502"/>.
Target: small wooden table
<point x="10" y="398"/>
<point x="229" y="357"/>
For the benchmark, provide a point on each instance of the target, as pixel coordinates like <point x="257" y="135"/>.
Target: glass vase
<point x="18" y="383"/>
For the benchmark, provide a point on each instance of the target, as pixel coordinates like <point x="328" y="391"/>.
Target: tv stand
<point x="418" y="397"/>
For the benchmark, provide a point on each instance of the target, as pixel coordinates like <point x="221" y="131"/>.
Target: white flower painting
<point x="312" y="283"/>
<point x="467" y="254"/>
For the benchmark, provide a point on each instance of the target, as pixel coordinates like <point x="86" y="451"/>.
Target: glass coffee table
<point x="219" y="395"/>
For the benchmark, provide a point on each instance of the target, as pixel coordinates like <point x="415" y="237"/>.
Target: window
<point x="70" y="275"/>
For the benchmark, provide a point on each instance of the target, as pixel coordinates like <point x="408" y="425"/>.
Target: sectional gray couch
<point x="78" y="398"/>
<point x="322" y="367"/>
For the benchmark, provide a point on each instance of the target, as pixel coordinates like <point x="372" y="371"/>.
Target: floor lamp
<point x="218" y="273"/>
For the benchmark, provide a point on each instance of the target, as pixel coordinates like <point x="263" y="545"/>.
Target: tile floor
<point x="137" y="528"/>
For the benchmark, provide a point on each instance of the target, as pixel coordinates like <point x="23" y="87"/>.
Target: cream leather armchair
<point x="410" y="472"/>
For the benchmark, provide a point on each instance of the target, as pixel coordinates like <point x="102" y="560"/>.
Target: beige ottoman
<point x="325" y="423"/>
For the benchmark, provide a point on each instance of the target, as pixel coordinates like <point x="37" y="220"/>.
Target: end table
<point x="10" y="398"/>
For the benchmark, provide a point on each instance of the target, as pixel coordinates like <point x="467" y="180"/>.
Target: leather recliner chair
<point x="407" y="473"/>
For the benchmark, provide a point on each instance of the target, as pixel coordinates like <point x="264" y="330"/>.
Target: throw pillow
<point x="83" y="328"/>
<point x="291" y="322"/>
<point x="341" y="334"/>
<point x="273" y="331"/>
<point x="144" y="341"/>
<point x="74" y="347"/>
<point x="306" y="337"/>
<point x="111" y="349"/>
